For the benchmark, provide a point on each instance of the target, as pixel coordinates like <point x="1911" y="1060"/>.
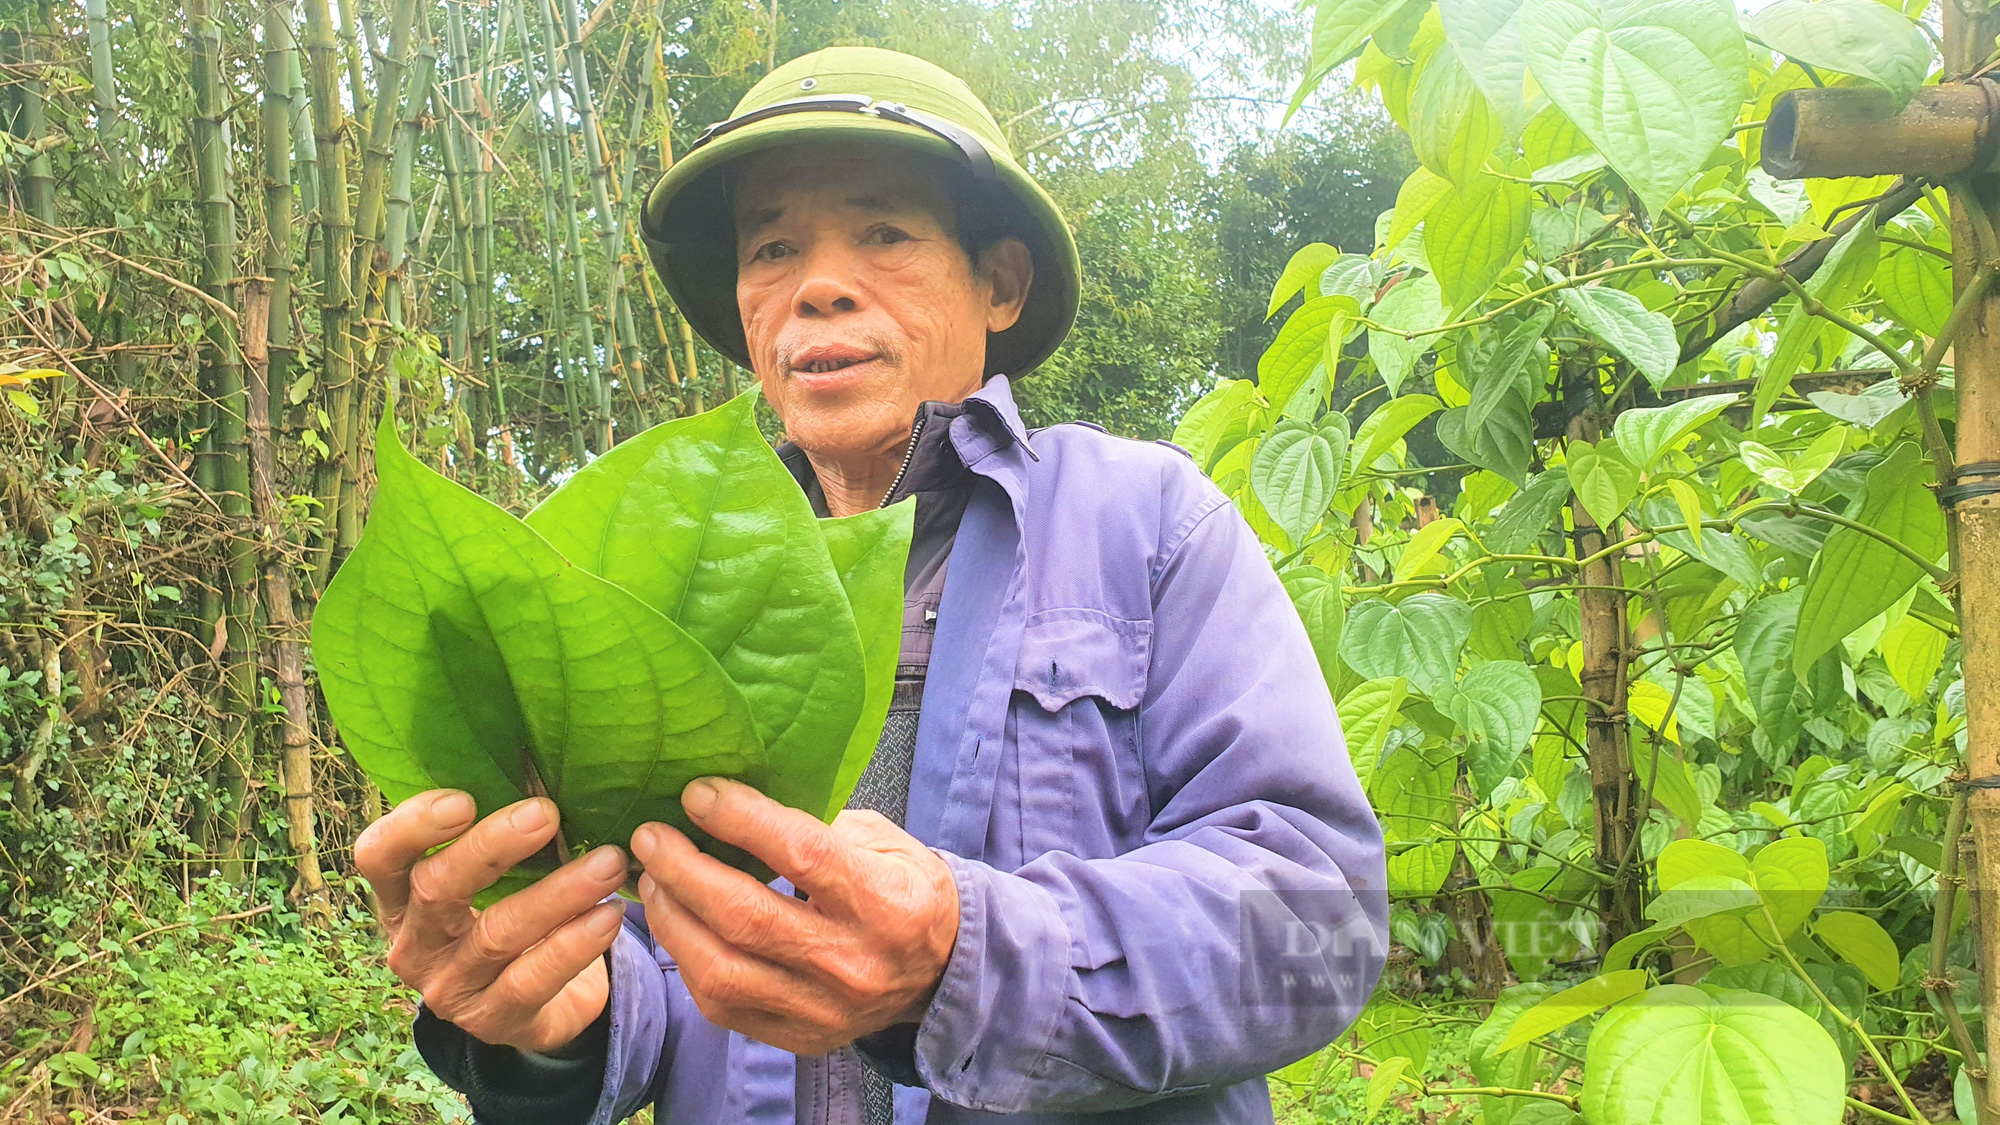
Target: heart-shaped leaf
<point x="1631" y="329"/>
<point x="1859" y="37"/>
<point x="1418" y="638"/>
<point x="1679" y="1055"/>
<point x="456" y="647"/>
<point x="1654" y="84"/>
<point x="1296" y="470"/>
<point x="1603" y="480"/>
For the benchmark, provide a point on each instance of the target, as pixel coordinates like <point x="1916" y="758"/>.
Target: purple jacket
<point x="1170" y="883"/>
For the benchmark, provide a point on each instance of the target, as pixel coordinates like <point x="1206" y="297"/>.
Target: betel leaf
<point x="1452" y="126"/>
<point x="456" y="647"/>
<point x="1515" y="359"/>
<point x="1300" y="345"/>
<point x="700" y="520"/>
<point x="1503" y="444"/>
<point x="1316" y="595"/>
<point x="870" y="551"/>
<point x="1621" y="320"/>
<point x="1385" y="426"/>
<point x="1495" y="706"/>
<point x="1862" y="942"/>
<point x="1414" y="304"/>
<point x="1474" y="234"/>
<point x="1296" y="469"/>
<point x="1765" y="637"/>
<point x="1604" y="482"/>
<point x="1487" y="36"/>
<point x="690" y="617"/>
<point x="1367" y="713"/>
<point x="1351" y="275"/>
<point x="1203" y="423"/>
<point x="1645" y="433"/>
<point x="1340" y="27"/>
<point x="1654" y="85"/>
<point x="1307" y="263"/>
<point x="1572" y="1004"/>
<point x="1681" y="1055"/>
<point x="1418" y="638"/>
<point x="1420" y="192"/>
<point x="1531" y="512"/>
<point x="1857" y="575"/>
<point x="1859" y="37"/>
<point x="1915" y="284"/>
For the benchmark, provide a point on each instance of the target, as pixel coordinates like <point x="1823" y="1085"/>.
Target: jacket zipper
<point x="909" y="455"/>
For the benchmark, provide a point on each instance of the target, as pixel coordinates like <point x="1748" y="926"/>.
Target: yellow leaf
<point x="19" y="378"/>
<point x="1649" y="702"/>
<point x="1425" y="545"/>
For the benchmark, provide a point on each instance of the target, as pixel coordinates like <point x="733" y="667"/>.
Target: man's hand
<point x="865" y="951"/>
<point x="527" y="971"/>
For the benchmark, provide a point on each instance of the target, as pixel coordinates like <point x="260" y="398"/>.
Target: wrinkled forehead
<point x="820" y="179"/>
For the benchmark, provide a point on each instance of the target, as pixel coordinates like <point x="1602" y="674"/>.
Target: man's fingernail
<point x="699" y="797"/>
<point x="606" y="919"/>
<point x="452" y="809"/>
<point x="647" y="886"/>
<point x="530" y="817"/>
<point x="604" y="863"/>
<point x="645" y="839"/>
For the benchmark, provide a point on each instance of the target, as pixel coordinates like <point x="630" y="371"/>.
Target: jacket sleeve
<point x="1246" y="931"/>
<point x="613" y="1070"/>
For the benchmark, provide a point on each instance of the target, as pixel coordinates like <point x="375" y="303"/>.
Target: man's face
<point x="858" y="302"/>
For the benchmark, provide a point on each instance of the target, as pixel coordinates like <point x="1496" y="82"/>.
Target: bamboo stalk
<point x="336" y="227"/>
<point x="103" y="86"/>
<point x="555" y="335"/>
<point x="295" y="772"/>
<point x="225" y="446"/>
<point x="37" y="181"/>
<point x="280" y="65"/>
<point x="350" y="49"/>
<point x="625" y="339"/>
<point x="591" y="395"/>
<point x="409" y="129"/>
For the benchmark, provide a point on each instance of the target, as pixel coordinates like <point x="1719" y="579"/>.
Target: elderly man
<point x="1109" y="861"/>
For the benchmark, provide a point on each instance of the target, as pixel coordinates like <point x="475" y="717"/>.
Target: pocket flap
<point x="1066" y="653"/>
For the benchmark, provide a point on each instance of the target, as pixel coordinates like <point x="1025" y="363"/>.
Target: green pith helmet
<point x="855" y="94"/>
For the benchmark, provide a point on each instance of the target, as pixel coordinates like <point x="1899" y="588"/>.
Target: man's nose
<point x="826" y="284"/>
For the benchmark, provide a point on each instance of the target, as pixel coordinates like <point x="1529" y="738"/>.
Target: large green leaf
<point x="1420" y="192"/>
<point x="1859" y="37"/>
<point x="1645" y="433"/>
<point x="1915" y="284"/>
<point x="1474" y="234"/>
<point x="1603" y="480"/>
<point x="1765" y="638"/>
<point x="1300" y="345"/>
<point x="1680" y="1055"/>
<point x="1203" y="423"/>
<point x="1514" y="358"/>
<point x="456" y="646"/>
<point x="1316" y="595"/>
<point x="1789" y="874"/>
<point x="1414" y="304"/>
<point x="1495" y="706"/>
<point x="1621" y="320"/>
<point x="1452" y="126"/>
<point x="1856" y="575"/>
<point x="1487" y="36"/>
<point x="1531" y="512"/>
<point x="1367" y="713"/>
<point x="870" y="551"/>
<point x="1504" y="444"/>
<point x="1296" y="469"/>
<point x="1654" y="84"/>
<point x="1418" y="638"/>
<point x="1307" y="264"/>
<point x="1340" y="27"/>
<point x="1862" y="942"/>
<point x="700" y="520"/>
<point x="1383" y="428"/>
<point x="1572" y="1004"/>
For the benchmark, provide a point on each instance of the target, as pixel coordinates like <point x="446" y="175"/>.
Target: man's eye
<point x="771" y="251"/>
<point x="887" y="236"/>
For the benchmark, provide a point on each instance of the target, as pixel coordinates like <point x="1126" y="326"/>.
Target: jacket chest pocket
<point x="1073" y="739"/>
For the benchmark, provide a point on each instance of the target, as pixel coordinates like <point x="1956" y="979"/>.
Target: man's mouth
<point x="820" y="361"/>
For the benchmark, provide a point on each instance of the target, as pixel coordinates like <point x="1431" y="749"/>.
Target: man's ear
<point x="1008" y="270"/>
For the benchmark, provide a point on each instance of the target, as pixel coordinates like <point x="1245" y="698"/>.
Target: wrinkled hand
<point x="864" y="952"/>
<point x="526" y="972"/>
